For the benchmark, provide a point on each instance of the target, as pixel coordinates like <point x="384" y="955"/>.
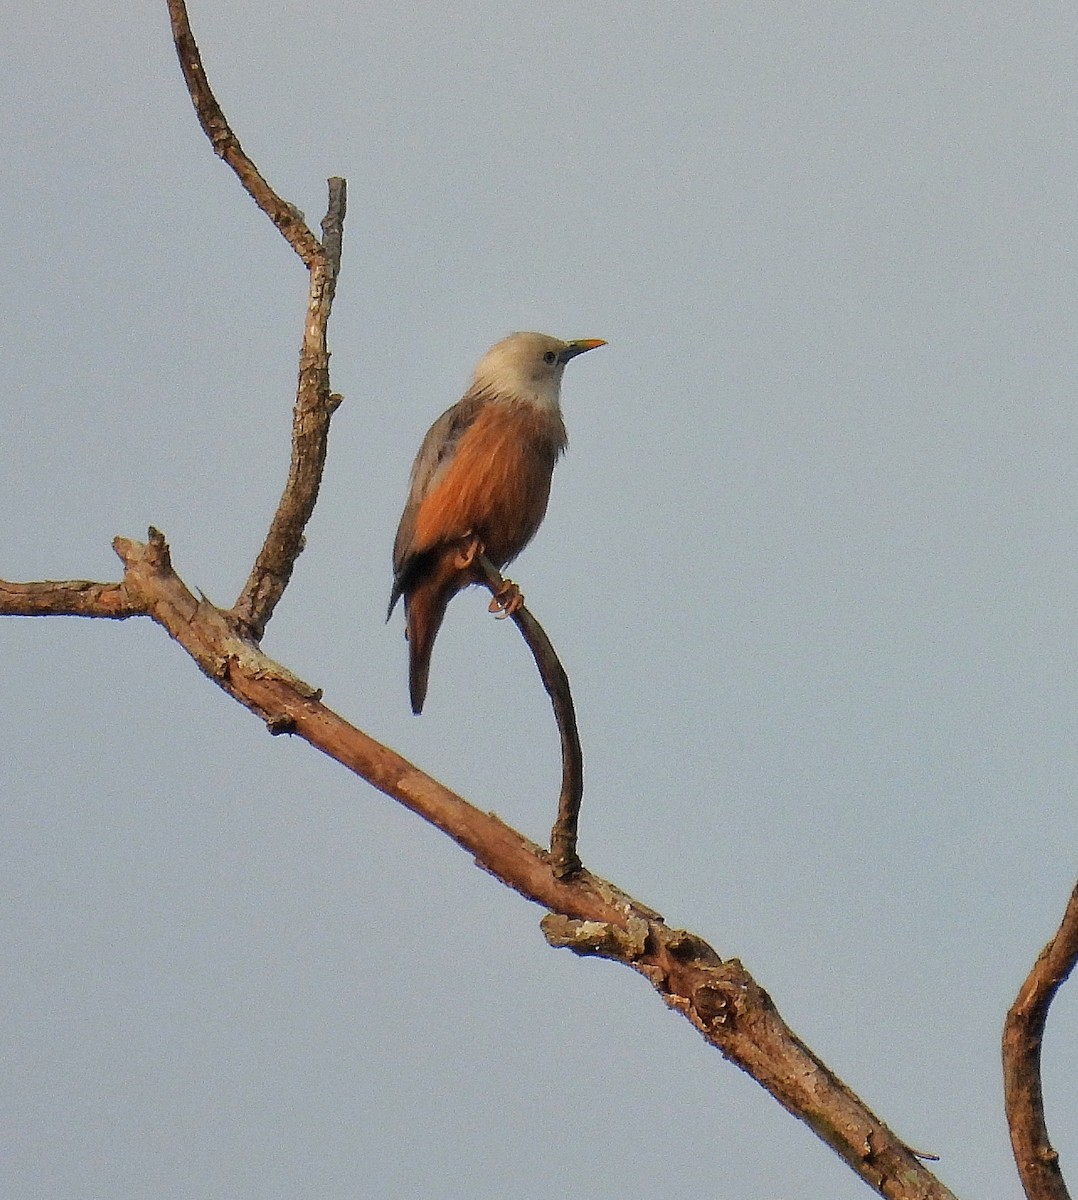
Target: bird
<point x="479" y="486"/>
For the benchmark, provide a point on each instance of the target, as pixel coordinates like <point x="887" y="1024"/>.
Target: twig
<point x="563" y="836"/>
<point x="288" y="219"/>
<point x="315" y="403"/>
<point x="1023" y="1031"/>
<point x="588" y="915"/>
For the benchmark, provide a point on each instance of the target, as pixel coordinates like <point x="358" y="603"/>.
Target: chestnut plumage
<point x="480" y="484"/>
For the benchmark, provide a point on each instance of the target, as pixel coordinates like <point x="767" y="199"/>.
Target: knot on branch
<point x="713" y="1004"/>
<point x="689" y="948"/>
<point x="601" y="939"/>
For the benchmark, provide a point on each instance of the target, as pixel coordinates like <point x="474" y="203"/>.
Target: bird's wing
<point x="435" y="455"/>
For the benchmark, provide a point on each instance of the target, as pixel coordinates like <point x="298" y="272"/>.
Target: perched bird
<point x="480" y="485"/>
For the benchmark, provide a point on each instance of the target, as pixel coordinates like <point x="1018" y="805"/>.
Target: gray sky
<point x="810" y="564"/>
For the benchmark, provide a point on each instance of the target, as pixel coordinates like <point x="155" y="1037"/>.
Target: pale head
<point x="528" y="366"/>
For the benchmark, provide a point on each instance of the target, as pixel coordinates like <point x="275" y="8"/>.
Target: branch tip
<point x="226" y="145"/>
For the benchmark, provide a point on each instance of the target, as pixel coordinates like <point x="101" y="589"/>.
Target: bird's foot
<point x="506" y="600"/>
<point x="468" y="551"/>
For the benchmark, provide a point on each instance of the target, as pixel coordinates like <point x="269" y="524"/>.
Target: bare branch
<point x="1023" y="1032"/>
<point x="333" y="233"/>
<point x="288" y="219"/>
<point x="72" y="598"/>
<point x="314" y="407"/>
<point x="289" y="705"/>
<point x="590" y="915"/>
<point x="315" y="403"/>
<point x="563" y="836"/>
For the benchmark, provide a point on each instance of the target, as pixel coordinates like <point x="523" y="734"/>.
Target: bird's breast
<point x="498" y="482"/>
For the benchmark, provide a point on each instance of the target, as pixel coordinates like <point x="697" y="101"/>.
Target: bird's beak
<point x="572" y="349"/>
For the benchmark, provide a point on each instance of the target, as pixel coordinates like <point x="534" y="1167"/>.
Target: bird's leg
<point x="506" y="600"/>
<point x="469" y="549"/>
<point x="507" y="597"/>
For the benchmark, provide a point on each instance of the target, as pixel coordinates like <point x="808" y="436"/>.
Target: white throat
<point x="506" y="381"/>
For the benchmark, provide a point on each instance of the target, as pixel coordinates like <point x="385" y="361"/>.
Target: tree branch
<point x="74" y="598"/>
<point x="563" y="836"/>
<point x="311" y="415"/>
<point x="315" y="403"/>
<point x="1023" y="1032"/>
<point x="288" y="219"/>
<point x="588" y="915"/>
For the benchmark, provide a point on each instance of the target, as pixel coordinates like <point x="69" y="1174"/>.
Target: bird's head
<point x="528" y="366"/>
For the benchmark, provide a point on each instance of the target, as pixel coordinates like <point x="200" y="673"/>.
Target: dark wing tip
<point x="394" y="596"/>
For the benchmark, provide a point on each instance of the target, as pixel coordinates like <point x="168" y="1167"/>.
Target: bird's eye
<point x="550" y="357"/>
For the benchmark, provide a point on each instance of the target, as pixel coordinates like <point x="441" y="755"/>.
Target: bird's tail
<point x="425" y="607"/>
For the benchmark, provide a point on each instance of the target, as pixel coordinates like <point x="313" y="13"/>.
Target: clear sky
<point x="809" y="561"/>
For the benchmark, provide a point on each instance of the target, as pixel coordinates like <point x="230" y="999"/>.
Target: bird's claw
<point x="506" y="600"/>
